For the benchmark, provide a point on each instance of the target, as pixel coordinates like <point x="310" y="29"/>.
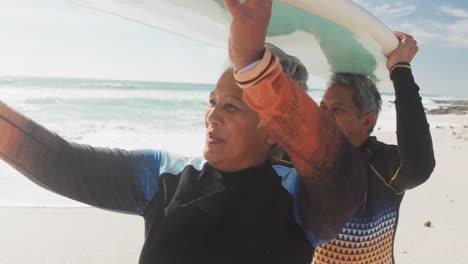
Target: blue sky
<point x="441" y="29"/>
<point x="56" y="38"/>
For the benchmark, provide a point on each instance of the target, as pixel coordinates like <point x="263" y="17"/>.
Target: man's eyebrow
<point x="338" y="103"/>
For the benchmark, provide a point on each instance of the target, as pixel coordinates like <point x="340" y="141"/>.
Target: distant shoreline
<point x="456" y="107"/>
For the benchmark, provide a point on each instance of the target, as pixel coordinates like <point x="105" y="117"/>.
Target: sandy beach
<point x="88" y="235"/>
<point x="69" y="236"/>
<point x="442" y="200"/>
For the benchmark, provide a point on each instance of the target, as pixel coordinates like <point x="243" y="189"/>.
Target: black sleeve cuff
<point x="403" y="82"/>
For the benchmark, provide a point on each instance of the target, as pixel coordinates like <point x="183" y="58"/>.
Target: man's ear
<point x="369" y="121"/>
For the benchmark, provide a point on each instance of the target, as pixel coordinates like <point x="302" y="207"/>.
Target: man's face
<point x="234" y="138"/>
<point x="338" y="102"/>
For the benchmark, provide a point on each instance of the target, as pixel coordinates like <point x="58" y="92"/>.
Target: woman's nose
<point x="214" y="117"/>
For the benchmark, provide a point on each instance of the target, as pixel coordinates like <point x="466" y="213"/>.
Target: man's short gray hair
<point x="293" y="67"/>
<point x="365" y="94"/>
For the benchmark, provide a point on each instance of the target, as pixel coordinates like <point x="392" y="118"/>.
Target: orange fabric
<point x="291" y="114"/>
<point x="24" y="144"/>
<point x="11" y="137"/>
<point x="249" y="78"/>
<point x="364" y="250"/>
<point x="332" y="185"/>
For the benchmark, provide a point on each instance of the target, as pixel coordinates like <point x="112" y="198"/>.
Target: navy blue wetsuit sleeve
<point x="146" y="168"/>
<point x="148" y="165"/>
<point x="291" y="181"/>
<point x="414" y="137"/>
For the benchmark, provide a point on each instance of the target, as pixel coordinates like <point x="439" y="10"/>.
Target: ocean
<point x="120" y="114"/>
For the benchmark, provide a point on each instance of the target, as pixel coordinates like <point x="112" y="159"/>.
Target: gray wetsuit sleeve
<point x="113" y="179"/>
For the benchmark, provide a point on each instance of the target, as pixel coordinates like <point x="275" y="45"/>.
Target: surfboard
<point x="327" y="35"/>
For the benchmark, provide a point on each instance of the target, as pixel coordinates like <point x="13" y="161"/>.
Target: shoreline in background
<point x="457" y="107"/>
<point x="6" y="79"/>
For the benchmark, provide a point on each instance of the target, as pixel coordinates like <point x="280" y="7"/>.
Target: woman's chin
<point x="215" y="158"/>
<point x="209" y="154"/>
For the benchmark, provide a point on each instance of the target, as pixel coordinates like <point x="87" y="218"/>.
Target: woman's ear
<point x="270" y="139"/>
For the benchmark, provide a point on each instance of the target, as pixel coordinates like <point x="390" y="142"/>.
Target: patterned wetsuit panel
<point x="368" y="236"/>
<point x="363" y="240"/>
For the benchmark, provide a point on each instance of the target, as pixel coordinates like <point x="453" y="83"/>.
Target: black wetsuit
<point x="369" y="235"/>
<point x="212" y="217"/>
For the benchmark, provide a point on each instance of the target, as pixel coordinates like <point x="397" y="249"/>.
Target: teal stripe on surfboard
<point x="343" y="50"/>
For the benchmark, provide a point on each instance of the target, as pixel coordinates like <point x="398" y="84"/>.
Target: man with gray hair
<point x="368" y="232"/>
<point x="354" y="102"/>
<point x="358" y="94"/>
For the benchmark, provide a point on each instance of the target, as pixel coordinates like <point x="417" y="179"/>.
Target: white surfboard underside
<point x="327" y="35"/>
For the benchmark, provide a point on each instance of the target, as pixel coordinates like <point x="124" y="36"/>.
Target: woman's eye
<point x="231" y="107"/>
